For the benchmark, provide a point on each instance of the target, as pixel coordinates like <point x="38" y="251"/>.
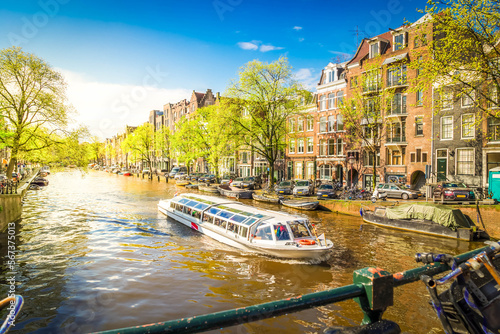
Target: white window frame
<point x="331" y="101"/>
<point x="300" y="124"/>
<point x="447" y="96"/>
<point x="340" y="143"/>
<point x="291" y="148"/>
<point x="291" y="124"/>
<point x="371" y="51"/>
<point x="310" y="123"/>
<point x="310" y="144"/>
<point x="399" y="46"/>
<point x="322" y="103"/>
<point x="441" y="128"/>
<point x="466" y="97"/>
<point x="325" y="122"/>
<point x="473" y="169"/>
<point x="331" y="123"/>
<point x="300" y="146"/>
<point x="420" y="98"/>
<point x="473" y="130"/>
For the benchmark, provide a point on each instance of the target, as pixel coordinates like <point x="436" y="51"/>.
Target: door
<point x="441" y="169"/>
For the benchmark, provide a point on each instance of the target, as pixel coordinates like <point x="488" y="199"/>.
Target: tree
<point x="163" y="145"/>
<point x="140" y="144"/>
<point x="465" y="48"/>
<point x="212" y="136"/>
<point x="259" y="103"/>
<point x="186" y="151"/>
<point x="97" y="149"/>
<point x="32" y="103"/>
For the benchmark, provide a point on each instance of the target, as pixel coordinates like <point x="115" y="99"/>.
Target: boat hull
<point x="314" y="253"/>
<point x="235" y="193"/>
<point x="208" y="189"/>
<point x="300" y="205"/>
<point x="266" y="199"/>
<point x="422" y="226"/>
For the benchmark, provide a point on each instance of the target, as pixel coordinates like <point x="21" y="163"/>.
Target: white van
<point x="177" y="169"/>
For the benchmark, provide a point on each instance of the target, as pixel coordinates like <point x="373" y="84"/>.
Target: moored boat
<point x="182" y="182"/>
<point x="40" y="181"/>
<point x="192" y="186"/>
<point x="234" y="192"/>
<point x="265" y="198"/>
<point x="300" y="204"/>
<point x="245" y="227"/>
<point x="208" y="189"/>
<point x="432" y="219"/>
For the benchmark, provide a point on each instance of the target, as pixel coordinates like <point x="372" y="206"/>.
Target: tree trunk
<point x="271" y="175"/>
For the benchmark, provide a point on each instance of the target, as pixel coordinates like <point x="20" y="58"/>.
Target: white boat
<point x="273" y="233"/>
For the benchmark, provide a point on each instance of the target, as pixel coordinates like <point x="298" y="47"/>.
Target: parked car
<point x="177" y="169"/>
<point x="207" y="178"/>
<point x="237" y="182"/>
<point x="164" y="172"/>
<point x="303" y="188"/>
<point x="285" y="188"/>
<point x="395" y="191"/>
<point x="326" y="191"/>
<point x="227" y="178"/>
<point x="251" y="182"/>
<point x="180" y="175"/>
<point x="453" y="191"/>
<point x="195" y="176"/>
<point x="146" y="170"/>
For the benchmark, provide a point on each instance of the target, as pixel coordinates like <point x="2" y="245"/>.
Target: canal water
<point x="94" y="254"/>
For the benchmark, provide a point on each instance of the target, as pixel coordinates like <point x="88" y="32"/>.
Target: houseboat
<point x="272" y="233"/>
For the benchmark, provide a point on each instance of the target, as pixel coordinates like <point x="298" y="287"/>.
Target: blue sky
<point x="122" y="59"/>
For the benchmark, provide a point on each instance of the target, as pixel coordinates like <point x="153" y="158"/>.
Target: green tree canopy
<point x="140" y="144"/>
<point x="259" y="103"/>
<point x="32" y="103"/>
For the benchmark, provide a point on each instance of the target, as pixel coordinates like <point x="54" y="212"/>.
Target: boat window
<point x="213" y="211"/>
<point x="183" y="200"/>
<point x="299" y="229"/>
<point x="220" y="222"/>
<point x="281" y="232"/>
<point x="225" y="214"/>
<point x="264" y="233"/>
<point x="250" y="221"/>
<point x="223" y="224"/>
<point x="208" y="218"/>
<point x="231" y="227"/>
<point x="201" y="206"/>
<point x="196" y="213"/>
<point x="172" y="205"/>
<point x="238" y="218"/>
<point x="243" y="231"/>
<point x="192" y="204"/>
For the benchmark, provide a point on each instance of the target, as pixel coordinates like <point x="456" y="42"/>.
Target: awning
<point x="395" y="58"/>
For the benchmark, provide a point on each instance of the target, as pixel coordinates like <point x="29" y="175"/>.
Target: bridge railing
<point x="372" y="289"/>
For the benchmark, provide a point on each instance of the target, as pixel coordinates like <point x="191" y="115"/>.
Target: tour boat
<point x="272" y="233"/>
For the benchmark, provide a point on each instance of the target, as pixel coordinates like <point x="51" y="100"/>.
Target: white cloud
<point x="105" y="108"/>
<point x="301" y="39"/>
<point x="248" y="45"/>
<point x="297" y="28"/>
<point x="307" y="77"/>
<point x="269" y="47"/>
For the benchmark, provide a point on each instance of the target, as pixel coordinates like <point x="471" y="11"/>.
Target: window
<point x="493" y="129"/>
<point x="398" y="104"/>
<point x="420" y="97"/>
<point x="300" y="145"/>
<point x="419" y="125"/>
<point x="244" y="157"/>
<point x="325" y="172"/>
<point x="331" y="101"/>
<point x="374" y="50"/>
<point x="468" y="130"/>
<point x="340" y="98"/>
<point x="465" y="161"/>
<point x="340" y="147"/>
<point x="396" y="75"/>
<point x="420" y="62"/>
<point x="331" y="146"/>
<point x="292" y="146"/>
<point x="447" y="100"/>
<point x="371" y="81"/>
<point x="310" y="124"/>
<point x="322" y="103"/>
<point x="494" y="97"/>
<point x="331" y="76"/>
<point x="420" y="40"/>
<point x="412" y="157"/>
<point x="300" y="124"/>
<point x="394" y="157"/>
<point x="340" y="123"/>
<point x="322" y="124"/>
<point x="368" y="158"/>
<point x="446" y="127"/>
<point x="291" y="124"/>
<point x="399" y="42"/>
<point x="310" y="145"/>
<point x="424" y="157"/>
<point x="467" y="99"/>
<point x="322" y="147"/>
<point x="331" y="123"/>
<point x="309" y="170"/>
<point x="354" y="82"/>
<point x="419" y="154"/>
<point x="298" y="170"/>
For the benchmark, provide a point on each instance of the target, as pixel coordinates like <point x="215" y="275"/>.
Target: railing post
<point x="379" y="292"/>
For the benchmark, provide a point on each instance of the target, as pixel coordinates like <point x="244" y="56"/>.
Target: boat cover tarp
<point x="440" y="214"/>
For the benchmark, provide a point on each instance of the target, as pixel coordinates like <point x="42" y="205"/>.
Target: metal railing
<point x="396" y="139"/>
<point x="372" y="289"/>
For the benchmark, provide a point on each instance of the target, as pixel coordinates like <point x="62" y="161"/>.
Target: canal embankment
<point x="11" y="205"/>
<point x="488" y="213"/>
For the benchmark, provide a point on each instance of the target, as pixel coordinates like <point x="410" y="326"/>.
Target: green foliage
<point x="465" y="49"/>
<point x="258" y="105"/>
<point x="186" y="149"/>
<point x="32" y="103"/>
<point x="140" y="145"/>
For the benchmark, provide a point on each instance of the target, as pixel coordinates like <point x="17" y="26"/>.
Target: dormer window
<point x="374" y="50"/>
<point x="399" y="41"/>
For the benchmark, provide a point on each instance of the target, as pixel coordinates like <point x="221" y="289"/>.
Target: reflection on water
<point x="94" y="254"/>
